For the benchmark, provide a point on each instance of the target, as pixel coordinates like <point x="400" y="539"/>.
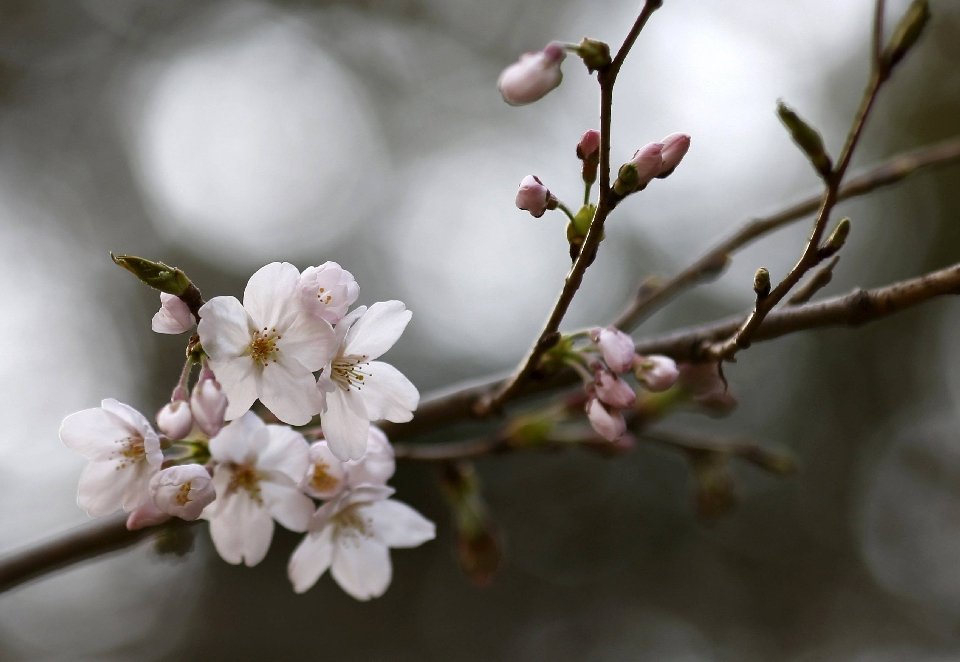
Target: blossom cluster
<point x="215" y="459"/>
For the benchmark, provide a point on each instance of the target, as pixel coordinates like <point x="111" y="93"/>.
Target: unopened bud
<point x="906" y="34"/>
<point x="807" y="138"/>
<point x="173" y="317"/>
<point x="208" y="404"/>
<point x="155" y="274"/>
<point x="836" y="239"/>
<point x="595" y="54"/>
<point x="616" y="346"/>
<point x="534" y="197"/>
<point x="175" y="419"/>
<point x="613" y="391"/>
<point x="675" y="147"/>
<point x="657" y="372"/>
<point x="182" y="491"/>
<point x="588" y="151"/>
<point x="761" y="283"/>
<point x="607" y="422"/>
<point x="533" y="76"/>
<point x="644" y="166"/>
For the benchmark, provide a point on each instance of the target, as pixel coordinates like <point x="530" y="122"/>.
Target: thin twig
<point x="652" y="296"/>
<point x="548" y="337"/>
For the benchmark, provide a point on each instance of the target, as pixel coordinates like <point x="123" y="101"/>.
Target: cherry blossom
<point x="606" y="421"/>
<point x="358" y="389"/>
<point x="616" y="347"/>
<point x="675" y="147"/>
<point x="352" y="536"/>
<point x="208" y="404"/>
<point x="175" y="419"/>
<point x="255" y="479"/>
<point x="328" y="291"/>
<point x="182" y="491"/>
<point x="124" y="452"/>
<point x="173" y="317"/>
<point x="328" y="476"/>
<point x="533" y="76"/>
<point x="268" y="347"/>
<point x="656" y="372"/>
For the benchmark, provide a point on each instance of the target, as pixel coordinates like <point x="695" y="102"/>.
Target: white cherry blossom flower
<point x="357" y="388"/>
<point x="268" y="347"/>
<point x="255" y="479"/>
<point x="173" y="317"/>
<point x="352" y="536"/>
<point x="328" y="291"/>
<point x="124" y="452"/>
<point x="182" y="491"/>
<point x="328" y="476"/>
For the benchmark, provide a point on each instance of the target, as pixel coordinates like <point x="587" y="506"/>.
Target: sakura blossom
<point x="173" y="317"/>
<point x="534" y="197"/>
<point x="613" y="391"/>
<point x="616" y="347"/>
<point x="175" y="419"/>
<point x="675" y="147"/>
<point x="124" y="453"/>
<point x="356" y="388"/>
<point x="606" y="421"/>
<point x="533" y="76"/>
<point x="352" y="536"/>
<point x="648" y="160"/>
<point x="328" y="291"/>
<point x="267" y="347"/>
<point x="328" y="476"/>
<point x="258" y="468"/>
<point x="182" y="491"/>
<point x="208" y="404"/>
<point x="656" y="372"/>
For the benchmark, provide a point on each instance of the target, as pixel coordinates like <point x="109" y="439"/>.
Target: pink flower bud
<point x="656" y="372"/>
<point x="208" y="404"/>
<point x="616" y="346"/>
<point x="648" y="161"/>
<point x="326" y="476"/>
<point x="182" y="491"/>
<point x="377" y="464"/>
<point x="675" y="146"/>
<point x="175" y="419"/>
<point x="146" y="515"/>
<point x="613" y="391"/>
<point x="533" y="76"/>
<point x="173" y="317"/>
<point x="327" y="291"/>
<point x="589" y="145"/>
<point x="534" y="197"/>
<point x="608" y="423"/>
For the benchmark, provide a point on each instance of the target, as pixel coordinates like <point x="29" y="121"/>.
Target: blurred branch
<point x="652" y="296"/>
<point x="607" y="77"/>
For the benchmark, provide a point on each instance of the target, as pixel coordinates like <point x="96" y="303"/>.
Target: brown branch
<point x="549" y="336"/>
<point x="652" y="296"/>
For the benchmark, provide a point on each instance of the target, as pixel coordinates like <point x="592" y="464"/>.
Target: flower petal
<point x="241" y="529"/>
<point x="310" y="340"/>
<point x="311" y="559"/>
<point x="344" y="429"/>
<point x="272" y="295"/>
<point x="389" y="394"/>
<point x="361" y="566"/>
<point x="241" y="441"/>
<point x="286" y="451"/>
<point x="92" y="432"/>
<point x="377" y="330"/>
<point x="105" y="487"/>
<point x="287" y="504"/>
<point x="238" y="379"/>
<point x="224" y="328"/>
<point x="288" y="390"/>
<point x="399" y="525"/>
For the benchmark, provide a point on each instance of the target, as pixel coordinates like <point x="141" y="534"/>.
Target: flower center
<point x="321" y="481"/>
<point x="348" y="372"/>
<point x="263" y="346"/>
<point x="131" y="452"/>
<point x="245" y="477"/>
<point x="352" y="526"/>
<point x="183" y="494"/>
<point x="325" y="296"/>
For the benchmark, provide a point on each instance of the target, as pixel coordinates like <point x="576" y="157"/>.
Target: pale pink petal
<point x="389" y="394"/>
<point x="286" y="452"/>
<point x="241" y="529"/>
<point x="272" y="295"/>
<point x="377" y="464"/>
<point x="326" y="475"/>
<point x="344" y="429"/>
<point x="310" y="340"/>
<point x="173" y="317"/>
<point x="287" y="504"/>
<point x="240" y="441"/>
<point x="399" y="525"/>
<point x="224" y="328"/>
<point x="146" y="514"/>
<point x="238" y="379"/>
<point x="377" y="330"/>
<point x="310" y="559"/>
<point x="289" y="391"/>
<point x="91" y="432"/>
<point x="104" y="489"/>
<point x="361" y="566"/>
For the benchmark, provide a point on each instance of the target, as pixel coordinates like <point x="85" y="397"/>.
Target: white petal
<point x="240" y="441"/>
<point x="173" y="317"/>
<point x="289" y="391"/>
<point x="93" y="432"/>
<point x="325" y="476"/>
<point x="310" y="559"/>
<point x="287" y="504"/>
<point x="310" y="340"/>
<point x="377" y="330"/>
<point x="286" y="451"/>
<point x="389" y="394"/>
<point x="399" y="525"/>
<point x="241" y="529"/>
<point x="361" y="566"/>
<point x="272" y="295"/>
<point x="344" y="430"/>
<point x="377" y="464"/>
<point x="238" y="379"/>
<point x="224" y="328"/>
<point x="104" y="488"/>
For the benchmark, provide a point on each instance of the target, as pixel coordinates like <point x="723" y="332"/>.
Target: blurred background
<point x="218" y="136"/>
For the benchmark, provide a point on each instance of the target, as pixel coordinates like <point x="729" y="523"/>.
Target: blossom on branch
<point x="268" y="347"/>
<point x="352" y="536"/>
<point x="534" y="197"/>
<point x="173" y="317"/>
<point x="256" y="481"/>
<point x="533" y="76"/>
<point x="358" y="389"/>
<point x="328" y="291"/>
<point x="606" y="421"/>
<point x="328" y="476"/>
<point x="616" y="347"/>
<point x="182" y="491"/>
<point x="124" y="452"/>
<point x="656" y="372"/>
